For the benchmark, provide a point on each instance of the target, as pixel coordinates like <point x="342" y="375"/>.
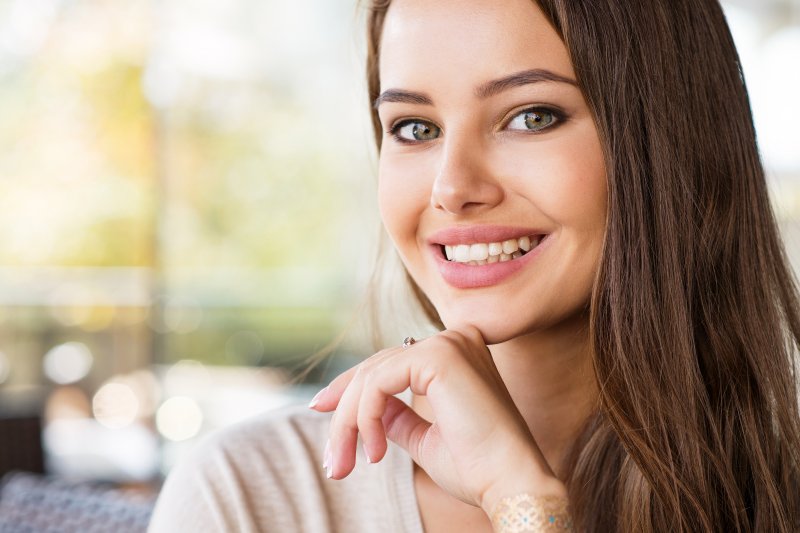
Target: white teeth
<point x="493" y="252"/>
<point x="510" y="246"/>
<point x="461" y="253"/>
<point x="478" y="252"/>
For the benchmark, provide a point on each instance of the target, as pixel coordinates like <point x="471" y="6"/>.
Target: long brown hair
<point x="695" y="321"/>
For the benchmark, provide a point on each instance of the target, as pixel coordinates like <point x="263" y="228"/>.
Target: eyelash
<point x="558" y="116"/>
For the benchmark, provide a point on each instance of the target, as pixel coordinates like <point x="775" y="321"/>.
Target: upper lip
<point x="478" y="234"/>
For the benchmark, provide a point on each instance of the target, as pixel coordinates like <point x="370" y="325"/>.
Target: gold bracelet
<point x="525" y="514"/>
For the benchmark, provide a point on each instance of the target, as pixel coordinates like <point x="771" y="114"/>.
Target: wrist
<point x="535" y="484"/>
<point x="524" y="513"/>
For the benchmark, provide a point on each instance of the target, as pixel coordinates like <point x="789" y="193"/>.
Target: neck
<point x="548" y="374"/>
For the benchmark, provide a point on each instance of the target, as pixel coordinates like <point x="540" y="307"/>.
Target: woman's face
<point x="489" y="144"/>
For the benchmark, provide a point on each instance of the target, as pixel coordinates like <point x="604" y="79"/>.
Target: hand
<point x="478" y="448"/>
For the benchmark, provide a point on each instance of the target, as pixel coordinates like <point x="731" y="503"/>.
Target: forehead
<point x="466" y="41"/>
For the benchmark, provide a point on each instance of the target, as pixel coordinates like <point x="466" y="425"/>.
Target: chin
<point x="494" y="329"/>
<point x="497" y="327"/>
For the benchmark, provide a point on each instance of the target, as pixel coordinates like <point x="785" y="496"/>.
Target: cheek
<point x="587" y="185"/>
<point x="566" y="185"/>
<point x="577" y="202"/>
<point x="402" y="196"/>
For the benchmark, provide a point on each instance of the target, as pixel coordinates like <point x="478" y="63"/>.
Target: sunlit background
<point x="187" y="213"/>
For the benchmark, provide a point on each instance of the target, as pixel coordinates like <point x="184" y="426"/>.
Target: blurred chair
<point x="21" y="445"/>
<point x="38" y="504"/>
<point x="21" y="431"/>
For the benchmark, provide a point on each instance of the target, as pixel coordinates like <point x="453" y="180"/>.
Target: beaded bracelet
<point x="525" y="514"/>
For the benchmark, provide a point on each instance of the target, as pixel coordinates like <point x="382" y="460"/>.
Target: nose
<point x="464" y="183"/>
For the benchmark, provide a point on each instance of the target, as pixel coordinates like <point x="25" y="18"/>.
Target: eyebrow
<point x="483" y="91"/>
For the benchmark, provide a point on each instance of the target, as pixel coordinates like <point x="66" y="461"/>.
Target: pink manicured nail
<point x="328" y="460"/>
<point x="326" y="456"/>
<point x="366" y="453"/>
<point x="315" y="399"/>
<point x="329" y="468"/>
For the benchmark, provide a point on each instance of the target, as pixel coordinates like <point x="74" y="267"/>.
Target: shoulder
<point x="234" y="475"/>
<point x="265" y="474"/>
<point x="290" y="431"/>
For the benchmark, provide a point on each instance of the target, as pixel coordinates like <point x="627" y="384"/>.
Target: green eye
<point x="532" y="120"/>
<point x="414" y="131"/>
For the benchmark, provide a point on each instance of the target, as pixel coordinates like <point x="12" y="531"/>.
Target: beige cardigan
<point x="265" y="475"/>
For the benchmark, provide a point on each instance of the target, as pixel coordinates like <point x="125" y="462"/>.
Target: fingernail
<point x="328" y="460"/>
<point x="366" y="453"/>
<point x="326" y="454"/>
<point x="315" y="399"/>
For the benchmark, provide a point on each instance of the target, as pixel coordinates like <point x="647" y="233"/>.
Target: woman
<point x="575" y="192"/>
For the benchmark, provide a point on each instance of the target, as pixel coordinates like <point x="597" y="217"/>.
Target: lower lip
<point x="462" y="276"/>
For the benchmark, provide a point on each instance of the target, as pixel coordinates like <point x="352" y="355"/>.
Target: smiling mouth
<point x="479" y="254"/>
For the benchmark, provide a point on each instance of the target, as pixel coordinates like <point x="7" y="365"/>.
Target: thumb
<point x="404" y="426"/>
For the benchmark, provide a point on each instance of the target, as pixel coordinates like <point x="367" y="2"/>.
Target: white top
<point x="265" y="475"/>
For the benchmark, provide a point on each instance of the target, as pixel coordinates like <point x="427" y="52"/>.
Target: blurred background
<point x="187" y="214"/>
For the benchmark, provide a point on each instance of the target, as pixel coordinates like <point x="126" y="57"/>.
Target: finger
<point x="371" y="408"/>
<point x="343" y="430"/>
<point x="467" y="332"/>
<point x="405" y="427"/>
<point x="344" y="425"/>
<point x="389" y="377"/>
<point x="328" y="398"/>
<point x="342" y="443"/>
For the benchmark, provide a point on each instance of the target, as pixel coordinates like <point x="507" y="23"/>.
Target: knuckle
<point x="472" y="334"/>
<point x="360" y="372"/>
<point x="364" y="420"/>
<point x="343" y="426"/>
<point x="450" y="342"/>
<point x="366" y="381"/>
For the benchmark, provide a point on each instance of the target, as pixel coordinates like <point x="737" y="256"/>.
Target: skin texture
<point x="501" y="392"/>
<point x="478" y="173"/>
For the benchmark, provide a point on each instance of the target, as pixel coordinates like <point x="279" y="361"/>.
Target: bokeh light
<point x="179" y="418"/>
<point x="115" y="405"/>
<point x="67" y="363"/>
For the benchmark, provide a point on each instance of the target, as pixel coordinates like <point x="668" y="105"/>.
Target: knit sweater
<point x="265" y="475"/>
